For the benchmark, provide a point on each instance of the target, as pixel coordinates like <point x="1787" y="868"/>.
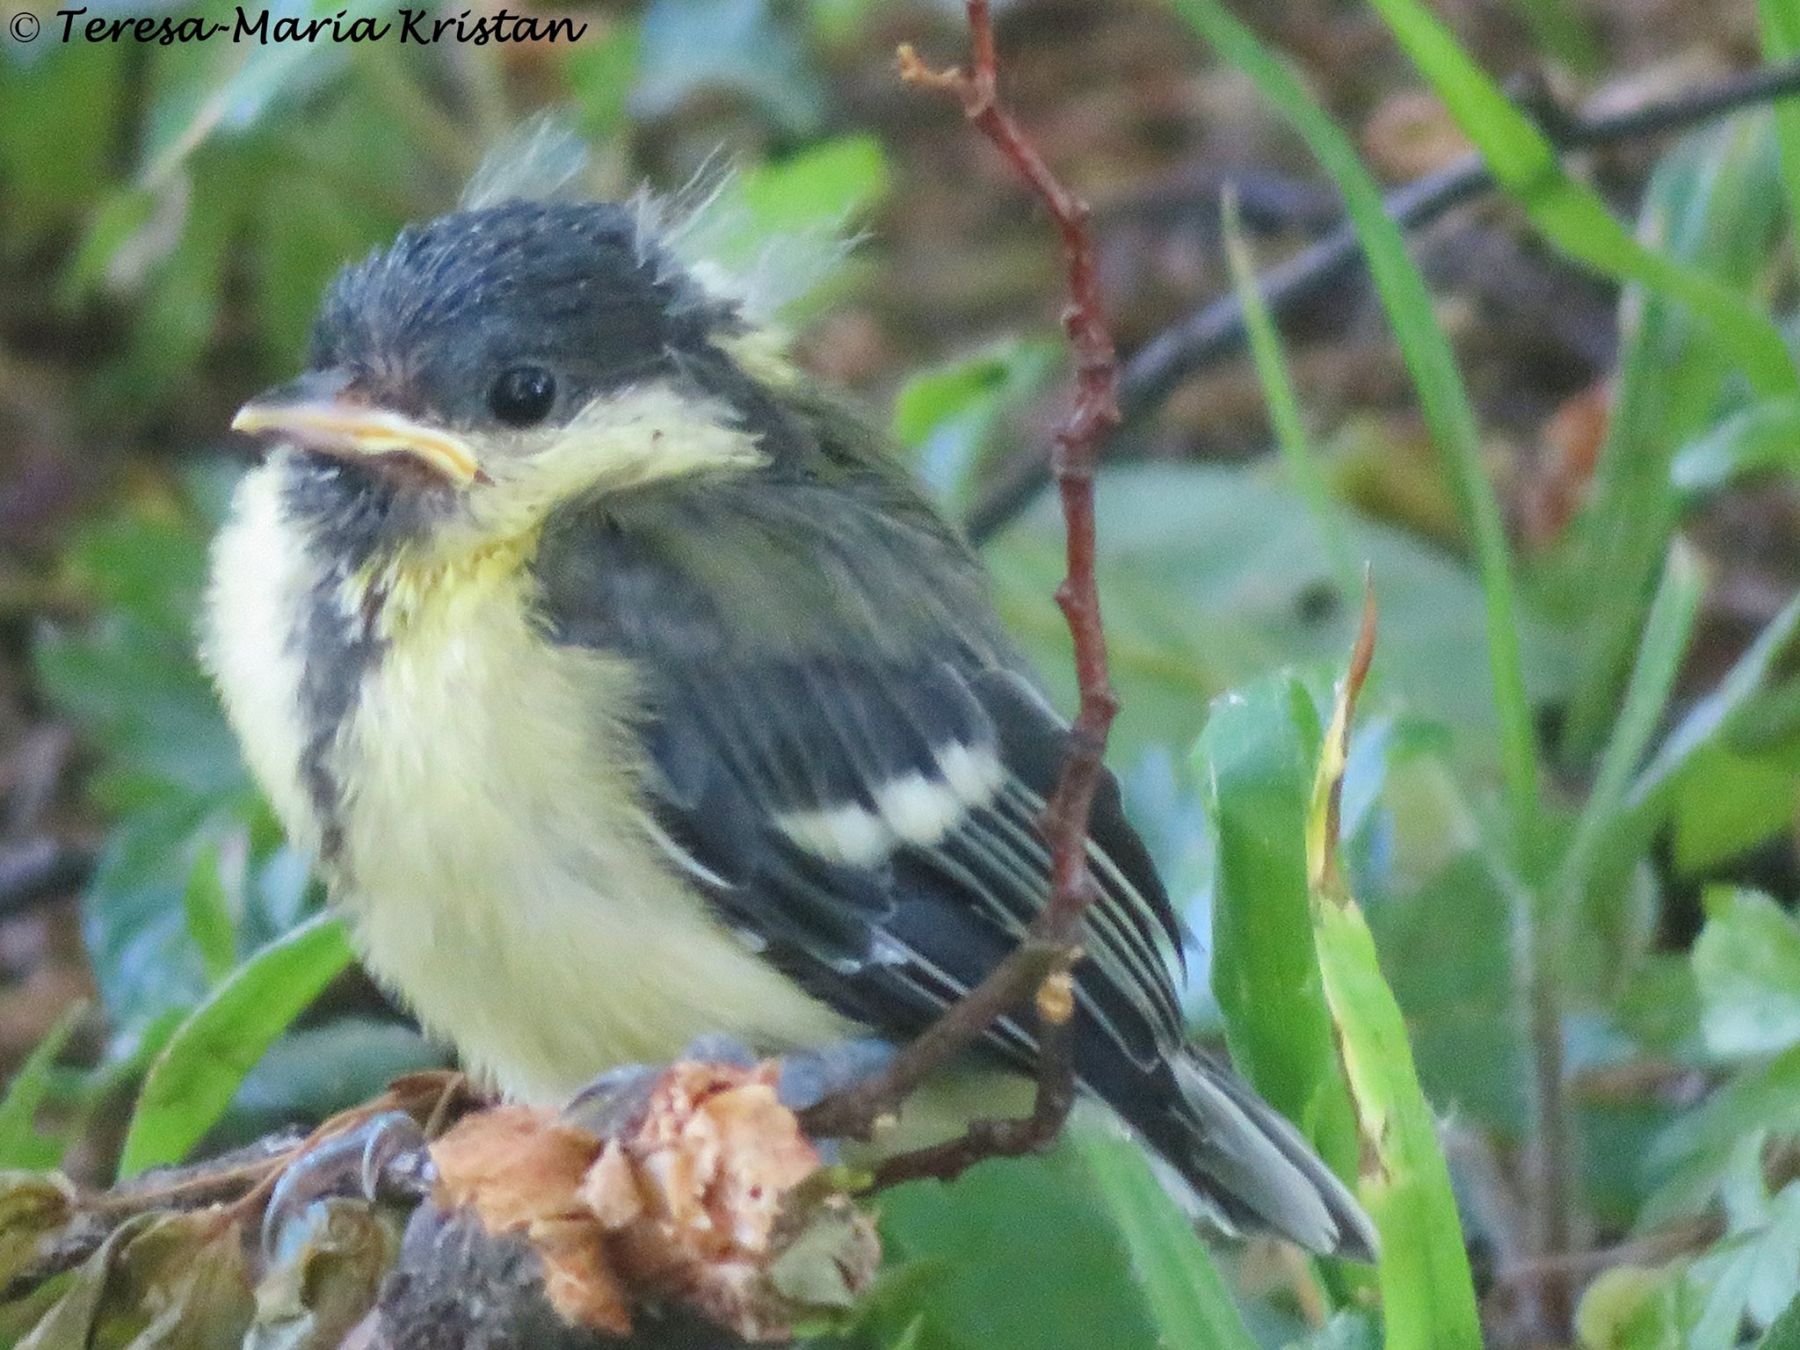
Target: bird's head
<point x="496" y="362"/>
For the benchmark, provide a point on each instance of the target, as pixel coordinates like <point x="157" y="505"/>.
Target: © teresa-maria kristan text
<point x="410" y="25"/>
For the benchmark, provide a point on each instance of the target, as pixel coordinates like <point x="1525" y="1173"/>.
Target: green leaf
<point x="316" y="1071"/>
<point x="1109" y="1277"/>
<point x="73" y="98"/>
<point x="205" y="90"/>
<point x="1189" y="1303"/>
<point x="306" y="224"/>
<point x="178" y="303"/>
<point x="824" y="185"/>
<point x="162" y="731"/>
<point x="115" y="222"/>
<point x="1445" y="949"/>
<point x="1747" y="963"/>
<point x="1774" y="1257"/>
<point x="1711" y="716"/>
<point x="1427" y="1288"/>
<point x="133" y="921"/>
<point x="601" y="71"/>
<point x="1750" y="1275"/>
<point x="206" y="901"/>
<point x="741" y="46"/>
<point x="1726" y="804"/>
<point x="780" y="226"/>
<point x="145" y="562"/>
<point x="1766" y="435"/>
<point x="193" y="1080"/>
<point x="1256" y="760"/>
<point x="949" y="414"/>
<point x="20" y="1144"/>
<point x="1442" y="397"/>
<point x="1784" y="1331"/>
<point x="1630" y="1307"/>
<point x="1690" y="1157"/>
<point x="1427" y="1291"/>
<point x="1213" y="576"/>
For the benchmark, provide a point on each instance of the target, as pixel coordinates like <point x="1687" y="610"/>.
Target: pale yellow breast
<point x="494" y="860"/>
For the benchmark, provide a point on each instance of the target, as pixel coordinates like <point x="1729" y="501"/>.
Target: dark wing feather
<point x="848" y="763"/>
<point x="853" y="771"/>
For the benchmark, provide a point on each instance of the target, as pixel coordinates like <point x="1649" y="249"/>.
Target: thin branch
<point x="1218" y="330"/>
<point x="1043" y="960"/>
<point x="35" y="871"/>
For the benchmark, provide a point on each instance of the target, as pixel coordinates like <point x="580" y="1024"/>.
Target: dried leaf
<point x="312" y="1301"/>
<point x="32" y="1207"/>
<point x="698" y="1201"/>
<point x="579" y="1279"/>
<point x="185" y="1274"/>
<point x="514" y="1166"/>
<point x="714" y="1165"/>
<point x="160" y="1282"/>
<point x="69" y="1325"/>
<point x="832" y="1261"/>
<point x="522" y="1171"/>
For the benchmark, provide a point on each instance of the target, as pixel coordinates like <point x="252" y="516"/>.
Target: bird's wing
<point x="858" y="788"/>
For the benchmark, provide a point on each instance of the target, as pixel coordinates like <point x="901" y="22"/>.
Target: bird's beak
<point x="316" y="413"/>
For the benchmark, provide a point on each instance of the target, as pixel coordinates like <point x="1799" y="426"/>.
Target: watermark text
<point x="419" y="27"/>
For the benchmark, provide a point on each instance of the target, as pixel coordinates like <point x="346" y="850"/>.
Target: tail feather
<point x="1252" y="1167"/>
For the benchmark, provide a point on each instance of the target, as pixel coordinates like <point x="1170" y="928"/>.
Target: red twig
<point x="1041" y="964"/>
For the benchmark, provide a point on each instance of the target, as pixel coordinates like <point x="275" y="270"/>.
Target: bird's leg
<point x="383" y="1158"/>
<point x="386" y="1157"/>
<point x="806" y="1077"/>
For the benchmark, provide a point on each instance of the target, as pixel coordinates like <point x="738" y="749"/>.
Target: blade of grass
<point x="1764" y="436"/>
<point x="1427" y="1288"/>
<point x="1557" y="27"/>
<point x="1442" y="397"/>
<point x="1568" y="212"/>
<point x="1714" y="202"/>
<point x="20" y="1144"/>
<point x="1647" y="801"/>
<point x="1781" y="42"/>
<point x="193" y="1081"/>
<point x="1666" y="635"/>
<point x="1551" y="930"/>
<point x="1712" y="714"/>
<point x="1189" y="1303"/>
<point x="1284" y="403"/>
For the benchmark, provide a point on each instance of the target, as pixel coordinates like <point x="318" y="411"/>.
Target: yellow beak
<point x="311" y="414"/>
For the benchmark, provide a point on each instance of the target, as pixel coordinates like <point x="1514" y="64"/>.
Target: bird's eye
<point x="522" y="395"/>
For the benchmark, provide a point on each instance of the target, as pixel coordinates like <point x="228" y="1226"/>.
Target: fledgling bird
<point x="629" y="690"/>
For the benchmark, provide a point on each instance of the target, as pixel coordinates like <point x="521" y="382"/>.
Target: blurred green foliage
<point x="212" y="192"/>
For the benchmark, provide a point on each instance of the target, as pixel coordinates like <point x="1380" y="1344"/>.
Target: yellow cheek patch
<point x="619" y="443"/>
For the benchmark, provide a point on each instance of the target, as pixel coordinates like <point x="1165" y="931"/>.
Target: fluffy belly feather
<point x="492" y="855"/>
